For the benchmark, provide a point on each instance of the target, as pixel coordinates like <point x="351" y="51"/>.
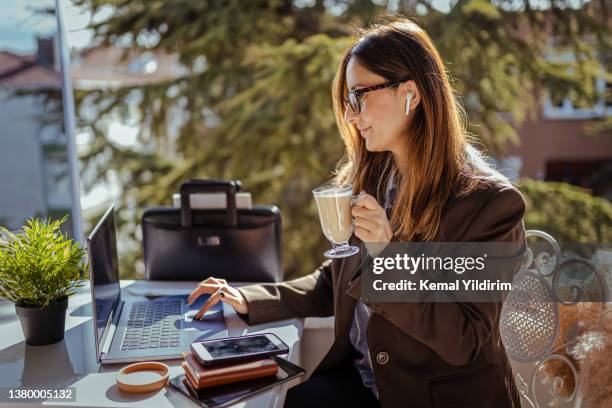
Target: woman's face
<point x="382" y="120"/>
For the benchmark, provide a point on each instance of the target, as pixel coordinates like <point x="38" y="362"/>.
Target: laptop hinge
<point x="108" y="340"/>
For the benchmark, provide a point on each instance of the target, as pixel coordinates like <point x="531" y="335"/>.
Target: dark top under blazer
<point x="432" y="354"/>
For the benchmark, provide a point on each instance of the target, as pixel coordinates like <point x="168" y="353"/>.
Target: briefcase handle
<point x="229" y="187"/>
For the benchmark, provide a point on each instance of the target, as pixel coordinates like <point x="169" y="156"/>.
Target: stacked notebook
<point x="200" y="376"/>
<point x="224" y="386"/>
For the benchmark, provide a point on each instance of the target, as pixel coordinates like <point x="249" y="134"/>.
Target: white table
<point x="72" y="362"/>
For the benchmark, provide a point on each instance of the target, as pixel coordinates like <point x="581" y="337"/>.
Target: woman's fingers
<point x="201" y="290"/>
<point x="366" y="223"/>
<point x="367" y="212"/>
<point x="374" y="227"/>
<point x="213" y="281"/>
<point x="367" y="201"/>
<point x="233" y="301"/>
<point x="194" y="295"/>
<point x="372" y="215"/>
<point x="371" y="223"/>
<point x="220" y="291"/>
<point x="223" y="294"/>
<point x="370" y="219"/>
<point x="213" y="300"/>
<point x="358" y="211"/>
<point x="363" y="234"/>
<point x="208" y="285"/>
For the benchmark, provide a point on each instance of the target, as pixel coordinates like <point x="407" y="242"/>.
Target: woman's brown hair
<point x="438" y="159"/>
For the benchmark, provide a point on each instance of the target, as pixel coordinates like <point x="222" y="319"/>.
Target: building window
<point x="567" y="107"/>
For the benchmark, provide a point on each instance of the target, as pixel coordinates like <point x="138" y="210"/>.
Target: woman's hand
<point x="221" y="291"/>
<point x="371" y="223"/>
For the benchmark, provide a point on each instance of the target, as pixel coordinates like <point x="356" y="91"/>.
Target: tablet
<point x="226" y="395"/>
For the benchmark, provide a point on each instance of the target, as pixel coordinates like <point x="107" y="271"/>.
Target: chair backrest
<point x="531" y="325"/>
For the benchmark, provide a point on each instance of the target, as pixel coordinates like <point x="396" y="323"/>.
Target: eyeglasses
<point x="353" y="99"/>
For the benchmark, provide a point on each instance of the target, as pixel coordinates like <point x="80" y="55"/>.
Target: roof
<point x="23" y="71"/>
<point x="103" y="66"/>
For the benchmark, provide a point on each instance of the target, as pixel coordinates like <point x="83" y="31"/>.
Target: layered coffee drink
<point x="335" y="214"/>
<point x="334" y="204"/>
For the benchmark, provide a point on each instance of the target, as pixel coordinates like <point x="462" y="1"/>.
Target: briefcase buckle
<point x="209" y="241"/>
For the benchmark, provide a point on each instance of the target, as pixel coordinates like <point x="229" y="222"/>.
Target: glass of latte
<point x="334" y="203"/>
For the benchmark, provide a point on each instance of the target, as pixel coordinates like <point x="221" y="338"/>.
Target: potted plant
<point x="39" y="268"/>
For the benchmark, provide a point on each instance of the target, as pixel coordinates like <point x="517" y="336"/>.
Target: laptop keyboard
<point x="152" y="325"/>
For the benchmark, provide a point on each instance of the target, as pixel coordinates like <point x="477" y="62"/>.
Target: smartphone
<point x="236" y="349"/>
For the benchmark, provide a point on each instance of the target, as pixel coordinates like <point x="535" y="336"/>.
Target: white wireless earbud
<point x="408" y="99"/>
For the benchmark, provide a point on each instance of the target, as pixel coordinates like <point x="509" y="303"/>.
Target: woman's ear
<point x="410" y="87"/>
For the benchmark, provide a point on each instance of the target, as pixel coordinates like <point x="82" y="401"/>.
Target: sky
<point x="20" y="23"/>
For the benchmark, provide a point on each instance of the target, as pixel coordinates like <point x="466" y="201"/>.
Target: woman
<point x="407" y="148"/>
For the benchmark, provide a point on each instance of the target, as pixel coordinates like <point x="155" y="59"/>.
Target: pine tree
<point x="255" y="101"/>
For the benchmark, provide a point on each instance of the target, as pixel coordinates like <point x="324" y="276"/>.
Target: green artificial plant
<point x="39" y="265"/>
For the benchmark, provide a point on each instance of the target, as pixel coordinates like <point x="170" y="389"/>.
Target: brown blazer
<point x="423" y="354"/>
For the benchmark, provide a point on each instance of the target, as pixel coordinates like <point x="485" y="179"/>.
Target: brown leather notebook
<point x="202" y="377"/>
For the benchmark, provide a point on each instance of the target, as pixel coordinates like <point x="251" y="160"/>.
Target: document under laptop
<point x="138" y="329"/>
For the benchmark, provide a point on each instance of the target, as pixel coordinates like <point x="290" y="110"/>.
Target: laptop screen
<point x="104" y="273"/>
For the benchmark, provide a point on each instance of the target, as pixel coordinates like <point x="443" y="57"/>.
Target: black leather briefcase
<point x="240" y="245"/>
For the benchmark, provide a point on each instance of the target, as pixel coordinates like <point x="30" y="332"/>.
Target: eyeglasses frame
<point x="358" y="92"/>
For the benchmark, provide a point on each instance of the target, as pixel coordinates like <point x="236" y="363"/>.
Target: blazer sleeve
<point x="456" y="331"/>
<point x="310" y="295"/>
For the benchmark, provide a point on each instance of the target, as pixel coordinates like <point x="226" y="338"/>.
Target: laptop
<point x="136" y="328"/>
